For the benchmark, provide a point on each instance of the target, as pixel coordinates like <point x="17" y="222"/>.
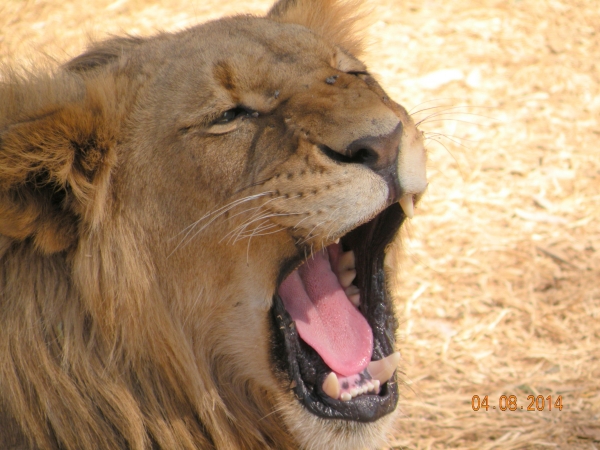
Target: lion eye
<point x="232" y="114"/>
<point x="360" y="74"/>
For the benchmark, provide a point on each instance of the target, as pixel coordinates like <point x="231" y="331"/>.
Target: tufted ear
<point x="335" y="20"/>
<point x="57" y="139"/>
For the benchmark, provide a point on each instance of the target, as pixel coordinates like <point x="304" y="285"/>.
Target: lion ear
<point x="56" y="154"/>
<point x="336" y="20"/>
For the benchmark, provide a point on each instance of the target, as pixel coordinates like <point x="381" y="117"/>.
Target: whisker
<point x="256" y="207"/>
<point x="432" y="134"/>
<point x="308" y="236"/>
<point x="450" y="138"/>
<point x="442" y="120"/>
<point x="272" y="412"/>
<point x="453" y="157"/>
<point x="250" y="240"/>
<point x="233" y="203"/>
<point x="441" y="113"/>
<point x="240" y="229"/>
<point x="216" y="214"/>
<point x="443" y="99"/>
<point x="449" y="108"/>
<point x="264" y="225"/>
<point x="233" y="235"/>
<point x="295" y="227"/>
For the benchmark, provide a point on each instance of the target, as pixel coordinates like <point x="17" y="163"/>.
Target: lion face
<point x="257" y="169"/>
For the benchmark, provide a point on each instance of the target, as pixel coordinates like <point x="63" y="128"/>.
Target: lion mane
<point x="156" y="194"/>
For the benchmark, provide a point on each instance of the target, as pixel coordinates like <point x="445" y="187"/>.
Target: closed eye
<point x="232" y="114"/>
<point x="230" y="120"/>
<point x="358" y="73"/>
<point x="362" y="74"/>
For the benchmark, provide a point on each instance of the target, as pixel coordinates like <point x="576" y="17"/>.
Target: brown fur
<point x="133" y="310"/>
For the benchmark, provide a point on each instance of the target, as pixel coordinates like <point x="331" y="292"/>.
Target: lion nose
<point x="376" y="152"/>
<point x="380" y="154"/>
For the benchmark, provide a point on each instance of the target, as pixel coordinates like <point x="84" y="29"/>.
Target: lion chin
<point x="193" y="229"/>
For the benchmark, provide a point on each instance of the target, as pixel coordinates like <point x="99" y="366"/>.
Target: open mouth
<point x="334" y="326"/>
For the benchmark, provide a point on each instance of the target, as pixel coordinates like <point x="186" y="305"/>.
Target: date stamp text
<point x="510" y="403"/>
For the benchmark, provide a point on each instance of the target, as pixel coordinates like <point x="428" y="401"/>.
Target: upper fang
<point x="406" y="202"/>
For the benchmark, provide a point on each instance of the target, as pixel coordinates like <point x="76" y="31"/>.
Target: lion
<point x="193" y="229"/>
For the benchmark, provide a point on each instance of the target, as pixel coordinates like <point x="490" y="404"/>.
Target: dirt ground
<point x="499" y="288"/>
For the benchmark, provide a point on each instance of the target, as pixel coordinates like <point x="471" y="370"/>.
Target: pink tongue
<point x="325" y="318"/>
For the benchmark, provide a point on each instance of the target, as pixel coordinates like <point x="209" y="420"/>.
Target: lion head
<point x="193" y="229"/>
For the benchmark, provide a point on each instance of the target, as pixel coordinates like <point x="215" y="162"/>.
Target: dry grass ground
<point x="499" y="291"/>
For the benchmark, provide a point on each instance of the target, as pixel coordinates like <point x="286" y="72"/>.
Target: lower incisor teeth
<point x="376" y="374"/>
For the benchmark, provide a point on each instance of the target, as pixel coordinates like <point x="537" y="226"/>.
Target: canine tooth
<point x="354" y="299"/>
<point x="337" y="241"/>
<point x="346" y="262"/>
<point x="345" y="397"/>
<point x="406" y="202"/>
<point x="346" y="278"/>
<point x="331" y="385"/>
<point x="383" y="369"/>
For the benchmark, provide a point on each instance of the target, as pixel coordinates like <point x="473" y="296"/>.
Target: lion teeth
<point x="346" y="278"/>
<point x="346" y="262"/>
<point x="337" y="241"/>
<point x="354" y="385"/>
<point x="331" y="385"/>
<point x="383" y="369"/>
<point x="353" y="294"/>
<point x="407" y="205"/>
<point x="354" y="299"/>
<point x="352" y="290"/>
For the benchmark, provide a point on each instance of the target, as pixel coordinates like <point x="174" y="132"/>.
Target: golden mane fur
<point x="134" y="296"/>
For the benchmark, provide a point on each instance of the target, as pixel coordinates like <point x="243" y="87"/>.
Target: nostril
<point x="336" y="156"/>
<point x="363" y="155"/>
<point x="375" y="152"/>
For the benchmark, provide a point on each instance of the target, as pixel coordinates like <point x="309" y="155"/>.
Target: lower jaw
<point x="306" y="378"/>
<point x="302" y="366"/>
